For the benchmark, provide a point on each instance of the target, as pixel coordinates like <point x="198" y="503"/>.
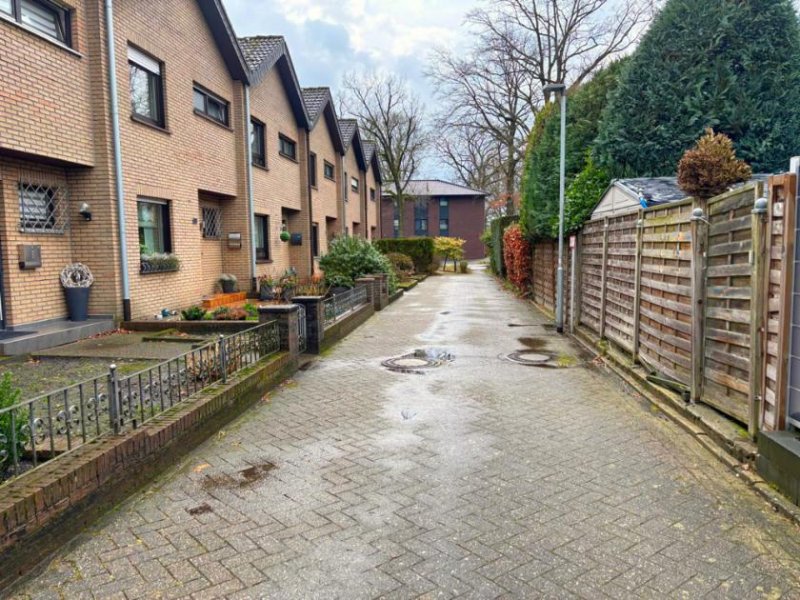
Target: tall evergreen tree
<point x="539" y="209"/>
<point x="733" y="65"/>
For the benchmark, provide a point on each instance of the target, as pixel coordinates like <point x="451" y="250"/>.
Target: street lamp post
<point x="561" y="90"/>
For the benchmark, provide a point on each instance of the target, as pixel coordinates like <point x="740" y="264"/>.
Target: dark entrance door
<point x="2" y="303"/>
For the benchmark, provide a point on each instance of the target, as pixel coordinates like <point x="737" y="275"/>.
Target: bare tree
<point x="391" y="115"/>
<point x="563" y="40"/>
<point x="488" y="102"/>
<point x="474" y="158"/>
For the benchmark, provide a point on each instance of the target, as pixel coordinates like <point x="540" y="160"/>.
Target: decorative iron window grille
<point x="43" y="208"/>
<point x="212" y="223"/>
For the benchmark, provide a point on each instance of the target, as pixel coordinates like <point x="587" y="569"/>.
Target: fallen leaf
<point x="201" y="468"/>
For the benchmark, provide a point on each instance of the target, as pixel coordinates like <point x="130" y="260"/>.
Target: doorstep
<point x="39" y="336"/>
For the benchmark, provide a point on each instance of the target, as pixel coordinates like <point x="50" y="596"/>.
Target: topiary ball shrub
<point x="711" y="167"/>
<point x="517" y="257"/>
<point x="349" y="258"/>
<point x="402" y="264"/>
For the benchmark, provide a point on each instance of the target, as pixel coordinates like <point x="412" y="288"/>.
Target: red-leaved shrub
<point x="517" y="257"/>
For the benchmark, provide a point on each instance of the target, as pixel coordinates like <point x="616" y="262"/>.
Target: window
<point x="154" y="232"/>
<point x="42" y="208"/>
<point x="262" y="237"/>
<point x="421" y="218"/>
<point x="211" y="106"/>
<point x="396" y="220"/>
<point x="315" y="239"/>
<point x="258" y="143"/>
<point x="372" y="194"/>
<point x="354" y="184"/>
<point x="212" y="222"/>
<point x="329" y="171"/>
<point x="40" y="15"/>
<point x="444" y="217"/>
<point x="287" y="147"/>
<point x="147" y="91"/>
<point x="346" y="187"/>
<point x="312" y="170"/>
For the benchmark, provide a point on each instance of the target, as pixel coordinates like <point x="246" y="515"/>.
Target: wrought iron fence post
<point x="113" y="397"/>
<point x="223" y="358"/>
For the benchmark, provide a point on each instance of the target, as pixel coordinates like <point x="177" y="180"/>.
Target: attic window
<point x="45" y="18"/>
<point x="210" y="105"/>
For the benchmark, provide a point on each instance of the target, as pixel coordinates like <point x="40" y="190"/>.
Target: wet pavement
<point x="475" y="477"/>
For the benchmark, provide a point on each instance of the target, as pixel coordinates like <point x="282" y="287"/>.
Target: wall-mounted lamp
<point x="697" y="215"/>
<point x="760" y="206"/>
<point x="85" y="211"/>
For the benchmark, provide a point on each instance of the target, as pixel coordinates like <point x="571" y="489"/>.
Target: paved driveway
<point x="481" y="479"/>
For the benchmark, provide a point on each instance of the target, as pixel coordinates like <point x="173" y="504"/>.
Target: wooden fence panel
<point x="545" y="263"/>
<point x="591" y="264"/>
<point x="781" y="226"/>
<point x="727" y="341"/>
<point x="620" y="279"/>
<point x="665" y="325"/>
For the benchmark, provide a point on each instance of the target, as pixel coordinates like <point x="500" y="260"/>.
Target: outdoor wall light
<point x="697" y="215"/>
<point x="760" y="206"/>
<point x="85" y="211"/>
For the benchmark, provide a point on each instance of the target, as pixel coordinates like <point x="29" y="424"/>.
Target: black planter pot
<point x="77" y="303"/>
<point x="265" y="293"/>
<point x="228" y="287"/>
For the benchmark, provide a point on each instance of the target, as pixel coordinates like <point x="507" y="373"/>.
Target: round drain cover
<point x="411" y="362"/>
<point x="528" y="357"/>
<point x="419" y="359"/>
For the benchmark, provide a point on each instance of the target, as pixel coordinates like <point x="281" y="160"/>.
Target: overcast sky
<point x="330" y="37"/>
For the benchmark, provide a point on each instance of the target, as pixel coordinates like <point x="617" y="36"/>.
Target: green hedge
<point x="420" y="250"/>
<point x="498" y="227"/>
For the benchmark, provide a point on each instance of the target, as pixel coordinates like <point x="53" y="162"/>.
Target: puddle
<point x="445" y="312"/>
<point x="532" y="342"/>
<point x="242" y="479"/>
<point x="417" y="361"/>
<point x="312" y="364"/>
<point x="200" y="510"/>
<point x="522" y="325"/>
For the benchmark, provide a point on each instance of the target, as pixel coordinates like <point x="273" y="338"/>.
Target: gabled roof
<point x="262" y="53"/>
<point x="371" y="158"/>
<point x="351" y="135"/>
<point x="225" y="38"/>
<point x="319" y="101"/>
<point x="438" y="187"/>
<point x="655" y="190"/>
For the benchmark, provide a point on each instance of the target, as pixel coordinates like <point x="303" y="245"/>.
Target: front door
<point x="2" y="305"/>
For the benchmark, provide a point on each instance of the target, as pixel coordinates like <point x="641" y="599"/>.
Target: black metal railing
<point x="340" y="305"/>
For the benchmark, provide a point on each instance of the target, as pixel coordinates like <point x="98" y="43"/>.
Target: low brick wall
<point x="339" y="330"/>
<point x="199" y="327"/>
<point x="46" y="508"/>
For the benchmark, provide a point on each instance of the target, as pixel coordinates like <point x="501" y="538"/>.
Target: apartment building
<point x="212" y="152"/>
<point x="326" y="155"/>
<point x="372" y="190"/>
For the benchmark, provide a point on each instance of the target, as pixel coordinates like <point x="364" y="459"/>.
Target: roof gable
<point x="319" y="102"/>
<point x="225" y="38"/>
<point x="262" y="53"/>
<point x="351" y="136"/>
<point x="372" y="160"/>
<point x="438" y="187"/>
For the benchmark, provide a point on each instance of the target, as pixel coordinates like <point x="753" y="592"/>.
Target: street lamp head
<point x="554" y="88"/>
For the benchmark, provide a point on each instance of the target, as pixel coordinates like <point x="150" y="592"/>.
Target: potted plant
<point x="228" y="283"/>
<point x="266" y="287"/>
<point x="77" y="280"/>
<point x="285" y="236"/>
<point x="288" y="284"/>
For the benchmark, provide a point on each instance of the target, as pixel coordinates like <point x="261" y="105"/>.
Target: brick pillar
<point x="382" y="291"/>
<point x="315" y="322"/>
<point x="371" y="285"/>
<point x="287" y="316"/>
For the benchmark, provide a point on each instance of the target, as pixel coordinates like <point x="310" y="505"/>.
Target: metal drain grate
<point x="418" y="361"/>
<point x="529" y="358"/>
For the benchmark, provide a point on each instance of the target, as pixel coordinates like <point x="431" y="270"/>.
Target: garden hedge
<point x="498" y="227"/>
<point x="420" y="249"/>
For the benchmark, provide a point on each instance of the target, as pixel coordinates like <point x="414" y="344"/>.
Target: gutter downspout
<point x="117" y="151"/>
<point x="310" y="202"/>
<point x="251" y="221"/>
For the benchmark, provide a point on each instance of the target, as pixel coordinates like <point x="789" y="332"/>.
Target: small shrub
<point x="9" y="396"/>
<point x="352" y="257"/>
<point x="463" y="266"/>
<point x="420" y="250"/>
<point x="224" y="313"/>
<point x="402" y="263"/>
<point x="711" y="167"/>
<point x="449" y="248"/>
<point x="251" y="310"/>
<point x="517" y="257"/>
<point x="193" y="313"/>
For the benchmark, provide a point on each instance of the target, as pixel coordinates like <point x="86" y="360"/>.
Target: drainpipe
<point x="251" y="209"/>
<point x="117" y="151"/>
<point x="310" y="201"/>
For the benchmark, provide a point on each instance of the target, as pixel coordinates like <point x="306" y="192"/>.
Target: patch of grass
<point x="565" y="361"/>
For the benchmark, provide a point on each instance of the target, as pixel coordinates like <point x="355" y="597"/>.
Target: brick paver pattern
<point x="481" y="479"/>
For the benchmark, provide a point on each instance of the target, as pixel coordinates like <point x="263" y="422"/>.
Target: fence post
<point x="637" y="285"/>
<point x="315" y="322"/>
<point x="288" y="318"/>
<point x="759" y="258"/>
<point x="575" y="302"/>
<point x="604" y="280"/>
<point x="699" y="230"/>
<point x="113" y="397"/>
<point x="223" y="357"/>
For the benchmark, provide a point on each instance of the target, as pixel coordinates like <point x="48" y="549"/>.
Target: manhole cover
<point x="426" y="358"/>
<point x="528" y="357"/>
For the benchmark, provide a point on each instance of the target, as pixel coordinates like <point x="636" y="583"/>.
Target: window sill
<point x="264" y="261"/>
<point x="142" y="121"/>
<point x="30" y="231"/>
<point x="203" y="115"/>
<point x="261" y="167"/>
<point x="287" y="157"/>
<point x="41" y="36"/>
<point x="330" y="179"/>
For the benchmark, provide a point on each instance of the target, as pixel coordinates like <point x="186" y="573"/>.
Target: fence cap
<point x="272" y="309"/>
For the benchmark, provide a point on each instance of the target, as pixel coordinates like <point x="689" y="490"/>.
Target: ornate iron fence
<point x="340" y="305"/>
<point x="45" y="427"/>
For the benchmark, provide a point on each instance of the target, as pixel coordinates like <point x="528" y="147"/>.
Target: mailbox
<point x="296" y="239"/>
<point x="30" y="256"/>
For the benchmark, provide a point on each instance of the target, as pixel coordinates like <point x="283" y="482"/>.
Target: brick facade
<point x="57" y="133"/>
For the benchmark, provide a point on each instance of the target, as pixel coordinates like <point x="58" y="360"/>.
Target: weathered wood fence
<point x="697" y="291"/>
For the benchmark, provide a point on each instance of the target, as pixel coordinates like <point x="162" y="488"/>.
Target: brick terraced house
<point x="195" y="147"/>
<point x="438" y="208"/>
